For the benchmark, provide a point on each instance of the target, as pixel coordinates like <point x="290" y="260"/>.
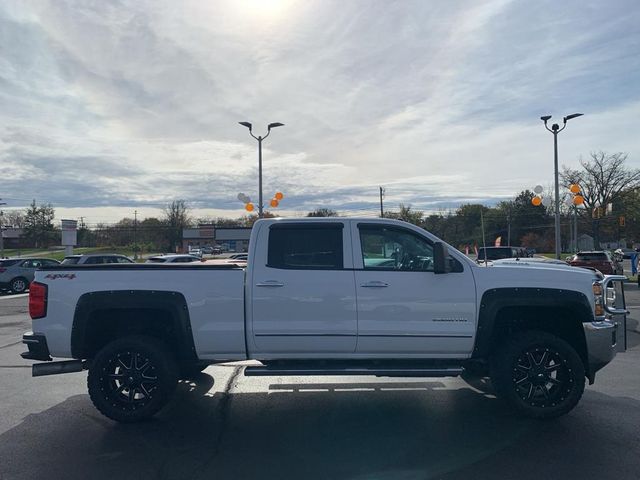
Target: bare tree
<point x="603" y="180"/>
<point x="323" y="212"/>
<point x="176" y="217"/>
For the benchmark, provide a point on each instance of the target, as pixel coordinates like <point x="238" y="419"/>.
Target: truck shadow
<point x="382" y="430"/>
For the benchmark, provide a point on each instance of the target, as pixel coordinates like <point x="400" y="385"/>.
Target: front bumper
<point x="38" y="348"/>
<point x="601" y="338"/>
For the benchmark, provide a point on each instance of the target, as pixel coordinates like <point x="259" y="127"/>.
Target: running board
<point x="276" y="371"/>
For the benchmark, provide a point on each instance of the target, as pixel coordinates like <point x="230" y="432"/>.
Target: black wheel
<point x="539" y="374"/>
<point x="132" y="378"/>
<point x="19" y="285"/>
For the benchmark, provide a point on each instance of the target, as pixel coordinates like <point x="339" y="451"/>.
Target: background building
<point x="232" y="239"/>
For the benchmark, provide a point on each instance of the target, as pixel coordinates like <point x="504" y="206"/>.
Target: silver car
<point x="17" y="273"/>
<point x="175" y="258"/>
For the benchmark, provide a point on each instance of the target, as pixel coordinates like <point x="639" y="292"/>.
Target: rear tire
<point x="538" y="374"/>
<point x="132" y="378"/>
<point x="19" y="285"/>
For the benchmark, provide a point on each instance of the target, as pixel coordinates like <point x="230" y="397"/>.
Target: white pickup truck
<point x="326" y="296"/>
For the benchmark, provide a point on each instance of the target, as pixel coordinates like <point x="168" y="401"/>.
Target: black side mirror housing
<point x="441" y="262"/>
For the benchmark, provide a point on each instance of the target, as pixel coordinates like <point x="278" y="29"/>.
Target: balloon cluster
<point x="540" y="199"/>
<point x="250" y="207"/>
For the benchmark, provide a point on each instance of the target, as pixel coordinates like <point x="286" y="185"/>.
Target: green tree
<point x="38" y="224"/>
<point x="406" y="214"/>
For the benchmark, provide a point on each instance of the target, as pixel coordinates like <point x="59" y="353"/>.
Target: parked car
<point x="17" y="273"/>
<point x="239" y="256"/>
<point x="496" y="253"/>
<point x="173" y="258"/>
<point x="600" y="260"/>
<point x="95" y="259"/>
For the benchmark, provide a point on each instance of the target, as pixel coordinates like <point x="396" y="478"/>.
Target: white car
<point x="174" y="258"/>
<point x="95" y="259"/>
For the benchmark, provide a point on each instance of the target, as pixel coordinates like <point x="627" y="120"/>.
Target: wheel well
<point x="108" y="324"/>
<point x="565" y="323"/>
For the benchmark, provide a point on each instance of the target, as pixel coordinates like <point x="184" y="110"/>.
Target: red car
<point x="599" y="260"/>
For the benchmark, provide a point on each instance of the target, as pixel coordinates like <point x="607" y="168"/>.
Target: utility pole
<point x="381" y="205"/>
<point x="509" y="226"/>
<point x="135" y="236"/>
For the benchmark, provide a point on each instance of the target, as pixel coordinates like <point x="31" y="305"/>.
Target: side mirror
<point x="441" y="262"/>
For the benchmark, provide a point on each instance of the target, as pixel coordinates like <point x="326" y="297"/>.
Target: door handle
<point x="374" y="284"/>
<point x="270" y="283"/>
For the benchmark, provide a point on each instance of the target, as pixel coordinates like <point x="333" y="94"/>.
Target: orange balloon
<point x="578" y="200"/>
<point x="249" y="207"/>
<point x="274" y="203"/>
<point x="279" y="196"/>
<point x="575" y="188"/>
<point x="536" y="201"/>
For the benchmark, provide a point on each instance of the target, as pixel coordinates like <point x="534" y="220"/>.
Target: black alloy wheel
<point x="542" y="377"/>
<point x="539" y="374"/>
<point x="132" y="378"/>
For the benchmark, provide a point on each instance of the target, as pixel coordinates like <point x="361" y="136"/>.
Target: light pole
<point x="2" y="231"/>
<point x="260" y="139"/>
<point x="555" y="129"/>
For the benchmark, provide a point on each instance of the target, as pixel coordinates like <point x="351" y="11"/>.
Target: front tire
<point x="132" y="378"/>
<point x="19" y="285"/>
<point x="538" y="374"/>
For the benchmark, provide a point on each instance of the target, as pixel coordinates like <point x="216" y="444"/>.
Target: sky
<point x="114" y="106"/>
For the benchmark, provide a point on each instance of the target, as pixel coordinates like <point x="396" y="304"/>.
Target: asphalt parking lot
<point x="224" y="425"/>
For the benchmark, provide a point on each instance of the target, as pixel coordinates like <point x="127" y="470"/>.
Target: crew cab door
<point x="302" y="290"/>
<point x="404" y="308"/>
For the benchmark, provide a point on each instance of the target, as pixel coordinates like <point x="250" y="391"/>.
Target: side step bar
<point x="267" y="371"/>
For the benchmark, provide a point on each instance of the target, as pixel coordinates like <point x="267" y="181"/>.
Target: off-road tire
<point x="132" y="378"/>
<point x="538" y="374"/>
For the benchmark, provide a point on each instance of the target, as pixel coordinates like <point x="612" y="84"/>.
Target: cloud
<point x="121" y="105"/>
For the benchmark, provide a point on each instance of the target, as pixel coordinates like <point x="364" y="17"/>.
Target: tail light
<point x="38" y="293"/>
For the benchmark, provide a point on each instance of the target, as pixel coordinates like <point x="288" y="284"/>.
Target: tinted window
<point x="49" y="263"/>
<point x="156" y="260"/>
<point x="386" y="248"/>
<point x="94" y="260"/>
<point x="592" y="257"/>
<point x="495" y="253"/>
<point x="121" y="260"/>
<point x="32" y="264"/>
<point x="310" y="247"/>
<point x="8" y="263"/>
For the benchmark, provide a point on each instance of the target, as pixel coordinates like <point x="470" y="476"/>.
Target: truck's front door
<point x="404" y="308"/>
<point x="302" y="290"/>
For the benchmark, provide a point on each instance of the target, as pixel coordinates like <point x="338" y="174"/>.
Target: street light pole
<point x="555" y="129"/>
<point x="260" y="138"/>
<point x="2" y="231"/>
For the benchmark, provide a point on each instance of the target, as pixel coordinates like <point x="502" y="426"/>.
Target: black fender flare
<point x="494" y="300"/>
<point x="172" y="302"/>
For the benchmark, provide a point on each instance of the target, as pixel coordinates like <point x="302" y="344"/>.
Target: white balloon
<point x="538" y="189"/>
<point x="546" y="201"/>
<point x="241" y="196"/>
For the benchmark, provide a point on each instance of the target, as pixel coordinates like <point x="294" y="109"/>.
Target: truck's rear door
<point x="302" y="291"/>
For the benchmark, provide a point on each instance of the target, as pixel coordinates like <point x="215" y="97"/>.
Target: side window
<point x="49" y="263"/>
<point x="121" y="260"/>
<point x="28" y="264"/>
<point x="385" y="248"/>
<point x="312" y="247"/>
<point x="93" y="260"/>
